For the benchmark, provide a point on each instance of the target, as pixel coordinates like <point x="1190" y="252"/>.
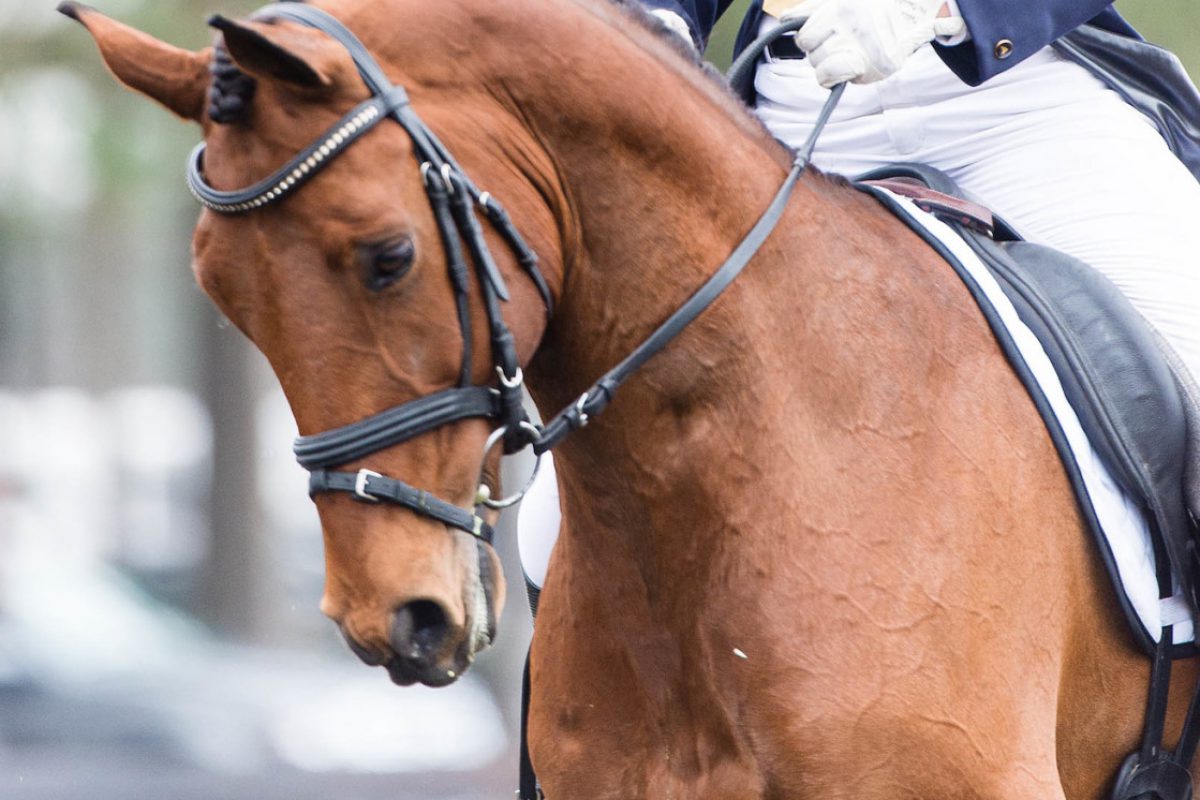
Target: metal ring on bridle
<point x="492" y="441"/>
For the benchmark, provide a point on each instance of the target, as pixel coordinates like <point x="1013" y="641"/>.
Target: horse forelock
<point x="231" y="91"/>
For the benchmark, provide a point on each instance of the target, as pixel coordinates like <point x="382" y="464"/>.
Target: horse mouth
<point x="405" y="673"/>
<point x="421" y="655"/>
<point x="408" y="671"/>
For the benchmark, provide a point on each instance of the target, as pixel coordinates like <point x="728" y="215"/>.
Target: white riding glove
<point x="863" y="41"/>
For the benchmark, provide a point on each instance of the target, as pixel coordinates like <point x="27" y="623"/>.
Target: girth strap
<point x="371" y="487"/>
<point x="1153" y="772"/>
<point x="360" y="439"/>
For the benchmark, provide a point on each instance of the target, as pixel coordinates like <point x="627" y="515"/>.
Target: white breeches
<point x="1045" y="145"/>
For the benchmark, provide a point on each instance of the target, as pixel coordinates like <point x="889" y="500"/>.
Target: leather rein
<point x="454" y="200"/>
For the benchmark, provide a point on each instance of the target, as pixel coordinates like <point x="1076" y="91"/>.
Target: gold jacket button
<point x="1003" y="49"/>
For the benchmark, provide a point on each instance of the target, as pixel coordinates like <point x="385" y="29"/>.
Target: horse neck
<point x="652" y="176"/>
<point x="659" y="173"/>
<point x="662" y="173"/>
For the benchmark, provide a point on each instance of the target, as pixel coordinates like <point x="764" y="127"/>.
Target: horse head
<point x="349" y="290"/>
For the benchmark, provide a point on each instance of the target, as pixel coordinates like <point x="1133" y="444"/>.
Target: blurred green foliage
<point x="95" y="289"/>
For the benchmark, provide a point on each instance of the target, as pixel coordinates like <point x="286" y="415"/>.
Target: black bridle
<point x="454" y="200"/>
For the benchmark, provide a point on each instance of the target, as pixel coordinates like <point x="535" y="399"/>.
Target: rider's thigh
<point x="1095" y="180"/>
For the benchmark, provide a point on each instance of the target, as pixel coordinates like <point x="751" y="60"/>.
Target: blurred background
<point x="160" y="563"/>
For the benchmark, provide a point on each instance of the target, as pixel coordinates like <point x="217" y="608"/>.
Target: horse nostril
<point x="419" y="630"/>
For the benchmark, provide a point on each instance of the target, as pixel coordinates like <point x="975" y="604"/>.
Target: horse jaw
<point x="176" y="79"/>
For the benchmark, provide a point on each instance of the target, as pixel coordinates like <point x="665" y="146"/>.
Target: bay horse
<point x="820" y="546"/>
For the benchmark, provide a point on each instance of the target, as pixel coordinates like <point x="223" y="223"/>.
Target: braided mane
<point x="231" y="91"/>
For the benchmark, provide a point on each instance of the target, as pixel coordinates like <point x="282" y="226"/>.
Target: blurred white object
<point x="47" y="120"/>
<point x="162" y="444"/>
<point x="363" y="725"/>
<point x="675" y="24"/>
<point x="539" y="518"/>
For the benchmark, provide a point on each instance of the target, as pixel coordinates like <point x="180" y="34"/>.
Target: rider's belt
<point x="784" y="47"/>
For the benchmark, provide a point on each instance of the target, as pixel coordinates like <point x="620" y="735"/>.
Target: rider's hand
<point x="863" y="41"/>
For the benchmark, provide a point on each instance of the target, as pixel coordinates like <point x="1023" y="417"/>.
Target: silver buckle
<point x="360" y="486"/>
<point x="579" y="404"/>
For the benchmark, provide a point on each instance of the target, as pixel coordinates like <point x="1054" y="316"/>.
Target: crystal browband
<point x="296" y="172"/>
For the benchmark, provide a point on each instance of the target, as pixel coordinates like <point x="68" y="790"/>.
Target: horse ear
<point x="176" y="78"/>
<point x="286" y="52"/>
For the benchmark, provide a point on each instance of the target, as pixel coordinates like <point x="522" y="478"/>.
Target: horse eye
<point x="388" y="263"/>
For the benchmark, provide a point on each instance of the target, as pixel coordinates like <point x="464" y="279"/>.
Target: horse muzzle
<point x="426" y="648"/>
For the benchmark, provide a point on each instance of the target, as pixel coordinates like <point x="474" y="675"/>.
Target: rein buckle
<point x="581" y="415"/>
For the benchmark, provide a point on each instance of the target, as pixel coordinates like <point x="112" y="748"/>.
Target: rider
<point x="1068" y="142"/>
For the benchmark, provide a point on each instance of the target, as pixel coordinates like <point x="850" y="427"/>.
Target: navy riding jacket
<point x="1003" y="32"/>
